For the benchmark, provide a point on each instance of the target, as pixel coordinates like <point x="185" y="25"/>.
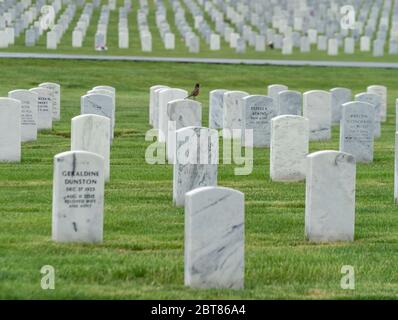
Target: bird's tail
<point x="191" y="95"/>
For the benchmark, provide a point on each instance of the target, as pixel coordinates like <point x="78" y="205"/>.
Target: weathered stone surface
<point x="317" y="109"/>
<point x="214" y="238"/>
<point x="330" y="197"/>
<point x="356" y="130"/>
<point x="289" y="148"/>
<point x="78" y="197"/>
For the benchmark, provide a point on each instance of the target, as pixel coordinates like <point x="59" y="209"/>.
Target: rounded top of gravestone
<point x="72" y="154"/>
<point x="173" y="90"/>
<point x="288" y="117"/>
<point x="98" y="95"/>
<point x="183" y="103"/>
<point x="9" y="102"/>
<point x="195" y="129"/>
<point x="101" y="91"/>
<point x="41" y="91"/>
<point x="368" y="96"/>
<point x="336" y="156"/>
<point x="377" y="87"/>
<point x="278" y="86"/>
<point x="243" y="93"/>
<point x="22" y="91"/>
<point x="95" y="117"/>
<point x="109" y="88"/>
<point x="49" y="84"/>
<point x="158" y="86"/>
<point x="213" y="190"/>
<point x="289" y="92"/>
<point x="340" y="89"/>
<point x="312" y="92"/>
<point x="258" y="97"/>
<point x="218" y="91"/>
<point x="357" y="104"/>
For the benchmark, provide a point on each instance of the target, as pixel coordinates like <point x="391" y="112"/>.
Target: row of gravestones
<point x="36" y="30"/>
<point x="163" y="26"/>
<point x="23" y="114"/>
<point x="237" y="110"/>
<point x="287" y="32"/>
<point x="211" y="38"/>
<point x="80" y="174"/>
<point x="123" y="28"/>
<point x="299" y="26"/>
<point x="102" y="29"/>
<point x="214" y="216"/>
<point x="56" y="32"/>
<point x="143" y="26"/>
<point x="258" y="114"/>
<point x="14" y="18"/>
<point x="190" y="38"/>
<point x="80" y="30"/>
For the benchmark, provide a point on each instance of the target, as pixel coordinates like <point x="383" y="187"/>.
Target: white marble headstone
<point x="349" y="45"/>
<point x="216" y="103"/>
<point x="152" y="107"/>
<point x="181" y="113"/>
<point x="317" y="109"/>
<point x="110" y="91"/>
<point x="233" y="111"/>
<point x="330" y="197"/>
<point x="357" y="130"/>
<point x="51" y="40"/>
<point x="196" y="161"/>
<point x="91" y="132"/>
<point x="214" y="238"/>
<point x="375" y="100"/>
<point x="258" y="112"/>
<point x="78" y="197"/>
<point x="215" y="42"/>
<point x="55" y="90"/>
<point x="274" y="89"/>
<point x="381" y="91"/>
<point x="165" y="96"/>
<point x="290" y="102"/>
<point x="29" y="108"/>
<point x="44" y="111"/>
<point x="10" y="130"/>
<point x="289" y="148"/>
<point x="365" y="44"/>
<point x="100" y="104"/>
<point x="333" y="47"/>
<point x="339" y="97"/>
<point x="156" y="110"/>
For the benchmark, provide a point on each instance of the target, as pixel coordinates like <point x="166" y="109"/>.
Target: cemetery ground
<point x="142" y="256"/>
<point x="158" y="50"/>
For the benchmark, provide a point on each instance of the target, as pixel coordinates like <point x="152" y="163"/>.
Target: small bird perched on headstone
<point x="271" y="45"/>
<point x="195" y="92"/>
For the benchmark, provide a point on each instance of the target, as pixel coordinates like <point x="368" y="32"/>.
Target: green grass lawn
<point x="180" y="50"/>
<point x="142" y="253"/>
